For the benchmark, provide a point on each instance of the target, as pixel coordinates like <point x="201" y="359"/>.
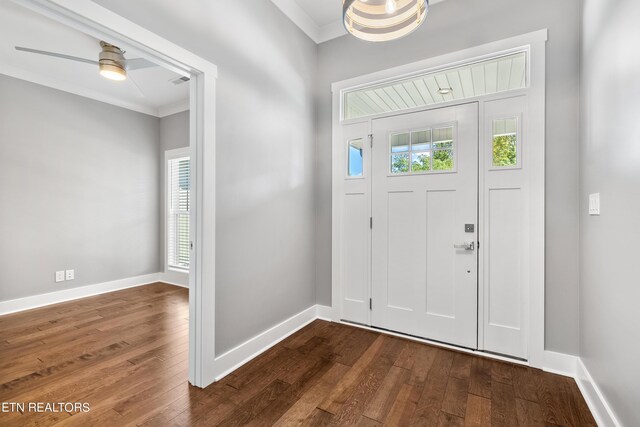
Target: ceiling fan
<point x="111" y="62"/>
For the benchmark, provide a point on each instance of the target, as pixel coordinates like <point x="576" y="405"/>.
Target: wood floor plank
<point x="379" y="407"/>
<point x="503" y="405"/>
<point x="455" y="397"/>
<point x="501" y="372"/>
<point x="526" y="383"/>
<point x="369" y="382"/>
<point x="247" y="412"/>
<point x="338" y="396"/>
<point x="480" y="377"/>
<point x="304" y="407"/>
<point x="478" y="411"/>
<point x="126" y="354"/>
<point x="447" y="420"/>
<point x="428" y="407"/>
<point x="461" y="367"/>
<point x="320" y="418"/>
<point x="529" y="413"/>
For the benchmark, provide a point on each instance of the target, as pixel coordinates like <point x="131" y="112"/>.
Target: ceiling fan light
<point x="113" y="72"/>
<point x="112" y="62"/>
<point x="383" y="20"/>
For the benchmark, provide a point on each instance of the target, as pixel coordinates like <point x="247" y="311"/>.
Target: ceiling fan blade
<point x="56" y="55"/>
<point x="135" y="85"/>
<point x="139" y="63"/>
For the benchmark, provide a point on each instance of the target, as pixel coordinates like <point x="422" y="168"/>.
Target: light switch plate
<point x="594" y="204"/>
<point x="70" y="275"/>
<point x="59" y="276"/>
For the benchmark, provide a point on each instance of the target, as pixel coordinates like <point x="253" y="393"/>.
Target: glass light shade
<point x="383" y="20"/>
<point x="113" y="72"/>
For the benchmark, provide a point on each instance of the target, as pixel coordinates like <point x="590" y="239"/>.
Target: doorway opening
<point x="102" y="24"/>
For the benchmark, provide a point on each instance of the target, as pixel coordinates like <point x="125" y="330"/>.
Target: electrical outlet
<point x="70" y="275"/>
<point x="59" y="276"/>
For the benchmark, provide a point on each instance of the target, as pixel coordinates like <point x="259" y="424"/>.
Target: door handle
<point x="467" y="246"/>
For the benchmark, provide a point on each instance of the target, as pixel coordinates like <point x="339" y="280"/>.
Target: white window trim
<point x="168" y="156"/>
<point x="103" y="24"/>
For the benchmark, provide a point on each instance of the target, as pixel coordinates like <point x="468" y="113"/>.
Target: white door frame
<point x="103" y="24"/>
<point x="534" y="43"/>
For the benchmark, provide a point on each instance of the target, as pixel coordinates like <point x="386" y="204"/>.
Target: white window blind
<point x="178" y="240"/>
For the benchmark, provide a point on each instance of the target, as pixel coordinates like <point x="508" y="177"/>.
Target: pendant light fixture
<point x="383" y="20"/>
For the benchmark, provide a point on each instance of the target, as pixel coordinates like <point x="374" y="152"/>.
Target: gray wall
<point x="455" y="25"/>
<point x="79" y="187"/>
<point x="265" y="144"/>
<point x="174" y="132"/>
<point x="610" y="165"/>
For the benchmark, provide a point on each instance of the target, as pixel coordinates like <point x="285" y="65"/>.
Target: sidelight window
<point x="355" y="160"/>
<point x="505" y="143"/>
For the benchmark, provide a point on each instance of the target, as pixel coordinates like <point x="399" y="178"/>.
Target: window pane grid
<point x="422" y="151"/>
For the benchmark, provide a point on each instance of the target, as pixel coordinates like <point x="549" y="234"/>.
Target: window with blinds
<point x="178" y="240"/>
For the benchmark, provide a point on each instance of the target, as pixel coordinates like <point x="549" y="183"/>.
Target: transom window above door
<point x="422" y="151"/>
<point x="477" y="78"/>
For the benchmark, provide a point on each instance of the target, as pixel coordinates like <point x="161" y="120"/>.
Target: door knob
<point x="467" y="246"/>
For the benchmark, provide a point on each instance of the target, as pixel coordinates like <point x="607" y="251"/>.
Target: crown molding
<point x="317" y="33"/>
<point x="175" y="108"/>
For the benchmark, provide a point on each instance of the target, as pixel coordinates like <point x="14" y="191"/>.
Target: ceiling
<point x="148" y="90"/>
<point x="320" y="19"/>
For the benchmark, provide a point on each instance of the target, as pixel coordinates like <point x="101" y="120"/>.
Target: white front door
<point x="424" y="189"/>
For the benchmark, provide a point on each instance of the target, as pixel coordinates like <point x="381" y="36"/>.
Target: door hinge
<point x="191" y="245"/>
<point x="478" y="244"/>
<point x="371" y="140"/>
<point x="371" y="222"/>
<point x="370" y="304"/>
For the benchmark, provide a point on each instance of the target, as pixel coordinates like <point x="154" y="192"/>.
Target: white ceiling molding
<point x="303" y="19"/>
<point x="40" y="79"/>
<point x="176" y="108"/>
<point x="299" y="17"/>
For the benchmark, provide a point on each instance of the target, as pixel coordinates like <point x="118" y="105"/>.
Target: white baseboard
<point x="238" y="356"/>
<point x="560" y="363"/>
<point x="324" y="312"/>
<point x="35" y="301"/>
<point x="175" y="278"/>
<point x="598" y="405"/>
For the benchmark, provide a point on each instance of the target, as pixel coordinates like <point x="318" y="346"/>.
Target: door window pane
<point x="421" y="162"/>
<point x="505" y="142"/>
<point x="421" y="140"/>
<point x="442" y="160"/>
<point x="355" y="157"/>
<point x="400" y="163"/>
<point x="443" y="138"/>
<point x="400" y="143"/>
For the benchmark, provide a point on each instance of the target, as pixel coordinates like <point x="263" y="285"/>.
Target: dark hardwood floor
<point x="125" y="353"/>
